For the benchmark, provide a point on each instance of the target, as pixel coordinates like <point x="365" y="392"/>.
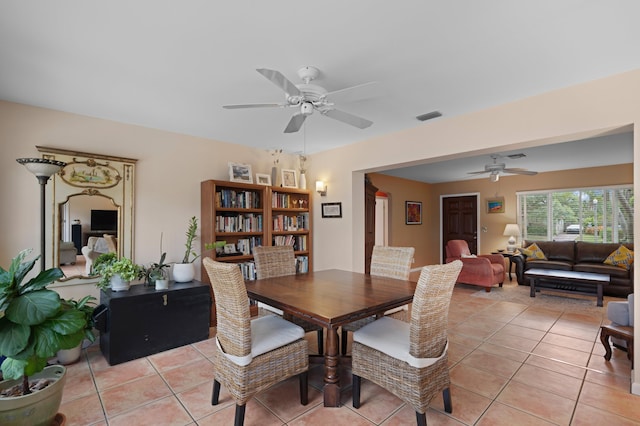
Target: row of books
<point x="229" y="198"/>
<point x="239" y="223"/>
<point x="248" y="269"/>
<point x="299" y="242"/>
<point x="287" y="201"/>
<point x="291" y="223"/>
<point x="246" y="245"/>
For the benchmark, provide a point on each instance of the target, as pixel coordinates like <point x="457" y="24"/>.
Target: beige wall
<point x="426" y="237"/>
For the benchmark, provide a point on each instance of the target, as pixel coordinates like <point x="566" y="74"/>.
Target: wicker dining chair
<point x="391" y="262"/>
<point x="251" y="354"/>
<point x="278" y="261"/>
<point x="410" y="359"/>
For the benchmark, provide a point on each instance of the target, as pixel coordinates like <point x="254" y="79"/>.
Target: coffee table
<point x="589" y="278"/>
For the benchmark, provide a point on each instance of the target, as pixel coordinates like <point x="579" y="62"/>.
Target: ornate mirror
<point x="91" y="210"/>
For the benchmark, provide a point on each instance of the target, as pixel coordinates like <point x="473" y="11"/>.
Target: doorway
<point x="460" y="221"/>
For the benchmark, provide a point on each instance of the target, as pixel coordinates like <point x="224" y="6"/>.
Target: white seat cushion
<point x="268" y="333"/>
<point x="391" y="336"/>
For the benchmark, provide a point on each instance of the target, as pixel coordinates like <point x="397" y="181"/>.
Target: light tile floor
<point x="511" y="364"/>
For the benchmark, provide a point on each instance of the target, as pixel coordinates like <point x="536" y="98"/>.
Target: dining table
<point x="332" y="298"/>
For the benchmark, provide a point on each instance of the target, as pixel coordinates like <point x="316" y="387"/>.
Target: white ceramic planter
<point x="69" y="356"/>
<point x="118" y="284"/>
<point x="162" y="284"/>
<point x="183" y="272"/>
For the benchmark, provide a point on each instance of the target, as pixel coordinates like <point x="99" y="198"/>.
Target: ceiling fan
<point x="496" y="168"/>
<point x="307" y="98"/>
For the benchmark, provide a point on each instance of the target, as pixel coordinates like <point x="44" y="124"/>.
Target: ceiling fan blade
<point x="479" y="173"/>
<point x="347" y="118"/>
<point x="254" y="106"/>
<point x="280" y="80"/>
<point x="520" y="172"/>
<point x="295" y="123"/>
<point x="357" y="86"/>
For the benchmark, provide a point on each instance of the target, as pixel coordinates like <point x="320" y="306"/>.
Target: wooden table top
<point x="332" y="297"/>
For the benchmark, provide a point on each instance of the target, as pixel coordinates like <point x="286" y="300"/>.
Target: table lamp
<point x="511" y="230"/>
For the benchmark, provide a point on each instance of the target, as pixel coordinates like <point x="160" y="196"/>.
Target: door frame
<point x="480" y="229"/>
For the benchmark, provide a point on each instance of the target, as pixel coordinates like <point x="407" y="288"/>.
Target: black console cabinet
<point x="143" y="321"/>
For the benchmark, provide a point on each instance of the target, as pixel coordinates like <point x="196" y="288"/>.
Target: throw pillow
<point x="533" y="252"/>
<point x="622" y="257"/>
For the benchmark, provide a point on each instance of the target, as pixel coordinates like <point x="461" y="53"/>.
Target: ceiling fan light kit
<point x="307" y="97"/>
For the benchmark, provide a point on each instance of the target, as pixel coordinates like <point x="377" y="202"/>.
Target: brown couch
<point x="578" y="256"/>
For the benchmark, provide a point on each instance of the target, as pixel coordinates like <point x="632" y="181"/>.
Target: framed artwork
<point x="263" y="179"/>
<point x="331" y="209"/>
<point x="240" y="173"/>
<point x="413" y="210"/>
<point x="289" y="178"/>
<point x="495" y="205"/>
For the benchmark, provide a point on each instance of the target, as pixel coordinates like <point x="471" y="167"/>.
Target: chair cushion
<point x="618" y="312"/>
<point x="267" y="333"/>
<point x="622" y="257"/>
<point x="391" y="337"/>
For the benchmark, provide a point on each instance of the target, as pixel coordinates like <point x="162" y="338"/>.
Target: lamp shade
<point x="511" y="230"/>
<point x="41" y="167"/>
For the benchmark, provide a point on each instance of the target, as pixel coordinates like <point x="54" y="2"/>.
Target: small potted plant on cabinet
<point x="117" y="274"/>
<point x="157" y="274"/>
<point x="35" y="324"/>
<point x="184" y="271"/>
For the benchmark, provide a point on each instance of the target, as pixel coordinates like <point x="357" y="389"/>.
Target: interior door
<point x="369" y="222"/>
<point x="460" y="221"/>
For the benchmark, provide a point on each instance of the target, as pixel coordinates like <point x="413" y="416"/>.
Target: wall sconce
<point x="321" y="188"/>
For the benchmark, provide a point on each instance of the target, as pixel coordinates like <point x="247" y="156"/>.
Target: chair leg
<point x="487" y="289"/>
<point x="421" y="419"/>
<point x="344" y="342"/>
<point x="446" y="397"/>
<point x="215" y="396"/>
<point x="239" y="420"/>
<point x="304" y="387"/>
<point x="355" y="390"/>
<point x="321" y="341"/>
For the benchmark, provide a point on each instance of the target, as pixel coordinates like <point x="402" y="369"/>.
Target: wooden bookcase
<point x="245" y="215"/>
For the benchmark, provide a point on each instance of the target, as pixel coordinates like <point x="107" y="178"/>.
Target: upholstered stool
<point x="621" y="332"/>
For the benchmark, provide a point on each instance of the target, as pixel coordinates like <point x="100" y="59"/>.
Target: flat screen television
<point x="104" y="220"/>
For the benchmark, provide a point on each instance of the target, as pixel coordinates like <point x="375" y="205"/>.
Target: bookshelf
<point x="239" y="216"/>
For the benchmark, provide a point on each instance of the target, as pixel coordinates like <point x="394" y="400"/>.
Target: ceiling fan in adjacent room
<point x="307" y="98"/>
<point x="495" y="169"/>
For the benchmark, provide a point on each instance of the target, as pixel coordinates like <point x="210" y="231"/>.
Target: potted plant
<point x="184" y="272"/>
<point x="34" y="324"/>
<point x="86" y="305"/>
<point x="157" y="274"/>
<point x="116" y="273"/>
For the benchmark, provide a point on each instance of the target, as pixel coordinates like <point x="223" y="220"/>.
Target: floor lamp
<point x="43" y="169"/>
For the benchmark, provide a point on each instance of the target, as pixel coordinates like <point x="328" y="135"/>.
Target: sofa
<point x="67" y="251"/>
<point x="578" y="256"/>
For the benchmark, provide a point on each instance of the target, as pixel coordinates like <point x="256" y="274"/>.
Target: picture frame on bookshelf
<point x="263" y="179"/>
<point x="331" y="210"/>
<point x="239" y="172"/>
<point x="289" y="178"/>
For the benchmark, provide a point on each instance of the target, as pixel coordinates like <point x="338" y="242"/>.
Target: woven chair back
<point x="274" y="261"/>
<point x="430" y="310"/>
<point x="392" y="262"/>
<point x="232" y="307"/>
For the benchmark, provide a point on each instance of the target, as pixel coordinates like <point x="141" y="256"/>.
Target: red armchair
<point x="485" y="270"/>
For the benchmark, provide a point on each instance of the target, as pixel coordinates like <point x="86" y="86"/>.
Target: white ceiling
<point x="172" y="65"/>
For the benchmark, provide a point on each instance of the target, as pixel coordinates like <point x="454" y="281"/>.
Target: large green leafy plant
<point x="35" y="322"/>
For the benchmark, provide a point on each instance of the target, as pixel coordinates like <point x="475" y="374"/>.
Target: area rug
<point x="545" y="298"/>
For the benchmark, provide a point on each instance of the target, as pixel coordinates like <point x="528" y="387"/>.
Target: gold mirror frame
<point x="93" y="175"/>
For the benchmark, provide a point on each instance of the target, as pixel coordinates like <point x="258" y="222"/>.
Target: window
<point x="601" y="215"/>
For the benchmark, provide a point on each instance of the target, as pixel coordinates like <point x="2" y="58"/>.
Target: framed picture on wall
<point x="413" y="210"/>
<point x="331" y="209"/>
<point x="495" y="205"/>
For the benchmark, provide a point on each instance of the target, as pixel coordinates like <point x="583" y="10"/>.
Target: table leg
<point x="510" y="265"/>
<point x="604" y="338"/>
<point x="331" y="389"/>
<point x="599" y="303"/>
<point x="532" y="286"/>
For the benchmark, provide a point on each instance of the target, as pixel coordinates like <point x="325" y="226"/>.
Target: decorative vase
<point x="274" y="175"/>
<point x="119" y="284"/>
<point x="37" y="408"/>
<point x="183" y="272"/>
<point x="303" y="181"/>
